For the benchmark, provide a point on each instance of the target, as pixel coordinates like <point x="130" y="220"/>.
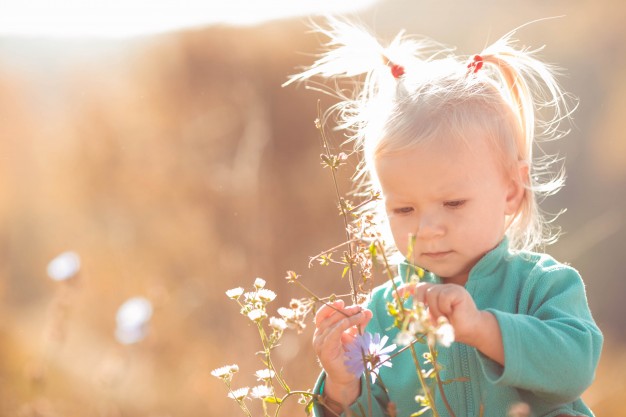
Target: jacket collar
<point x="486" y="266"/>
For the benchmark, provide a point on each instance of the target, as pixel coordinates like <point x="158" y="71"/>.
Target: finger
<point x="350" y="334"/>
<point x="332" y="336"/>
<point x="366" y="319"/>
<point x="432" y="296"/>
<point x="449" y="299"/>
<point x="419" y="295"/>
<point x="326" y="328"/>
<point x="327" y="310"/>
<point x="337" y="315"/>
<point x="406" y="290"/>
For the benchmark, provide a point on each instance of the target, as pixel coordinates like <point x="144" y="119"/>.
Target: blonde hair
<point x="510" y="96"/>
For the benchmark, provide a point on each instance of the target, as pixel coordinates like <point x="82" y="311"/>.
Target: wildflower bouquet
<point x="363" y="248"/>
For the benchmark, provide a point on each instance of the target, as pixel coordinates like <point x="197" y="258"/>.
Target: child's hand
<point x="333" y="330"/>
<point x="452" y="302"/>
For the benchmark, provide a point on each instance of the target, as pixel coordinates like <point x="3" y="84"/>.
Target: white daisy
<point x="445" y="334"/>
<point x="261" y="391"/>
<point x="225" y="371"/>
<point x="257" y="315"/>
<point x="264" y="374"/>
<point x="277" y="323"/>
<point x="234" y="293"/>
<point x="266" y="295"/>
<point x="239" y="394"/>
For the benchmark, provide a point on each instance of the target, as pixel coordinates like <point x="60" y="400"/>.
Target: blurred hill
<point x="177" y="167"/>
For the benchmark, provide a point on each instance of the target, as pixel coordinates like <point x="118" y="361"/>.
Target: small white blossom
<point x="404" y="338"/>
<point x="445" y="334"/>
<point x="64" y="266"/>
<point x="234" y="293"/>
<point x="261" y="391"/>
<point x="264" y="374"/>
<point x="416" y="326"/>
<point x="251" y="297"/>
<point x="259" y="283"/>
<point x="257" y="315"/>
<point x="225" y="371"/>
<point x="239" y="394"/>
<point x="132" y="320"/>
<point x="287" y="313"/>
<point x="266" y="295"/>
<point x="278" y="323"/>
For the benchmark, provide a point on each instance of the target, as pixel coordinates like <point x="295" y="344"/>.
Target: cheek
<point x="400" y="232"/>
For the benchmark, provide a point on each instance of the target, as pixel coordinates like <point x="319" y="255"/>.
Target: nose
<point x="429" y="226"/>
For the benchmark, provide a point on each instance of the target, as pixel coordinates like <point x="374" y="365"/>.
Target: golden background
<point x="177" y="167"/>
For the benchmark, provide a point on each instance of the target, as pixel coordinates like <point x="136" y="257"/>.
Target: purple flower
<point x="368" y="350"/>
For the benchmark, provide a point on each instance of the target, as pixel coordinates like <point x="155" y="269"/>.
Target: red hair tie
<point x="396" y="70"/>
<point x="476" y="64"/>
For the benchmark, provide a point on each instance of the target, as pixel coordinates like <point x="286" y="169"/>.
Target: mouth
<point x="436" y="255"/>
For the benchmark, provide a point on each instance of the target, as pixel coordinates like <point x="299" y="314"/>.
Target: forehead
<point x="438" y="166"/>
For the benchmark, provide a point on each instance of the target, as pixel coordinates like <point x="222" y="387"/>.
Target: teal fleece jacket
<point x="551" y="344"/>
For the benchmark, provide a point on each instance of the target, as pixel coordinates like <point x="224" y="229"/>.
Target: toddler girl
<point x="448" y="142"/>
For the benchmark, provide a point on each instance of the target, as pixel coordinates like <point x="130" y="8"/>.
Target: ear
<point x="517" y="188"/>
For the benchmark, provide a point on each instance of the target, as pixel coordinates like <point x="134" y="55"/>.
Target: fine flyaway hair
<point x="416" y="90"/>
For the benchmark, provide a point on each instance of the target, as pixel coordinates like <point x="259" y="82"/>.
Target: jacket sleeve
<point x="360" y="408"/>
<point x="552" y="345"/>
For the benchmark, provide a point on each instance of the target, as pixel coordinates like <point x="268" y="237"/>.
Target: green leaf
<point x="345" y="270"/>
<point x="373" y="250"/>
<point x="308" y="409"/>
<point x="272" y="400"/>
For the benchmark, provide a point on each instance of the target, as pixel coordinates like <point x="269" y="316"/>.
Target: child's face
<point x="453" y="199"/>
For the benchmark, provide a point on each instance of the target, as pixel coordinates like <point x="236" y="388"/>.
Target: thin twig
<point x="339" y="198"/>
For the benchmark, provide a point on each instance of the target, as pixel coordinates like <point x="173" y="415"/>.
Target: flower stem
<point x="344" y="214"/>
<point x="314" y="297"/>
<point x="241" y="402"/>
<point x="423" y="383"/>
<point x="348" y="242"/>
<point x="433" y="355"/>
<point x="268" y="357"/>
<point x="418" y="367"/>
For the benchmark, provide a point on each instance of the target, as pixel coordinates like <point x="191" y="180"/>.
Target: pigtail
<point x="540" y="106"/>
<point x="529" y="85"/>
<point x="356" y="57"/>
<point x="373" y="75"/>
<point x="351" y="51"/>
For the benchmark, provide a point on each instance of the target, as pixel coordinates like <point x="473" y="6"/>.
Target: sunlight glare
<point x="118" y="18"/>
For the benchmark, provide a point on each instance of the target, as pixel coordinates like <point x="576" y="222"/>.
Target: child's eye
<point x="402" y="210"/>
<point x="454" y="203"/>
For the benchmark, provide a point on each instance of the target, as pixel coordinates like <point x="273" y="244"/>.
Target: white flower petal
<point x="261" y="391"/>
<point x="264" y="374"/>
<point x="224" y="371"/>
<point x="445" y="334"/>
<point x="234" y="293"/>
<point x="278" y="323"/>
<point x="239" y="394"/>
<point x="257" y="314"/>
<point x="266" y="295"/>
<point x="134" y="312"/>
<point x="64" y="266"/>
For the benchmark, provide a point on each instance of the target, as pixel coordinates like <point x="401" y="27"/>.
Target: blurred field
<point x="177" y="167"/>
